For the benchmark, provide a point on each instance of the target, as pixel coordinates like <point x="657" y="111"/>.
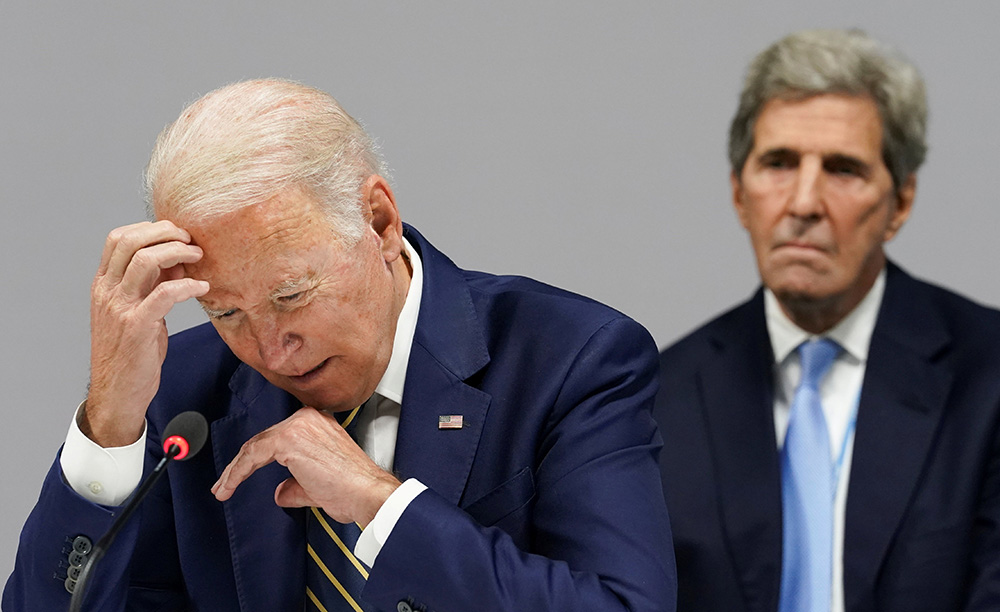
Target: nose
<point x="807" y="200"/>
<point x="275" y="343"/>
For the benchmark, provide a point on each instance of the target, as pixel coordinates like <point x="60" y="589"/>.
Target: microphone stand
<point x="105" y="542"/>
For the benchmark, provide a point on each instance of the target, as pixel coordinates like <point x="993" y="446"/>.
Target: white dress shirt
<point x="839" y="393"/>
<point x="109" y="475"/>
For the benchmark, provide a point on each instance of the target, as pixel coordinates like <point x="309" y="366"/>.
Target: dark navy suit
<point x="547" y="499"/>
<point x="922" y="529"/>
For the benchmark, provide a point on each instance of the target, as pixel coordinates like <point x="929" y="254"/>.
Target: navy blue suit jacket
<point x="548" y="498"/>
<point x="922" y="527"/>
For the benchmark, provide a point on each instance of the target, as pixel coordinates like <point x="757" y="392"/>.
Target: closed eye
<point x="779" y="159"/>
<point x="292" y="301"/>
<point x="219" y="314"/>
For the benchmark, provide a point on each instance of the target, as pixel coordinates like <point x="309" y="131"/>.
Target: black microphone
<point x="183" y="437"/>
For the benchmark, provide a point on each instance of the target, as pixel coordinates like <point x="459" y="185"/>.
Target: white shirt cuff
<point x="101" y="475"/>
<point x="377" y="532"/>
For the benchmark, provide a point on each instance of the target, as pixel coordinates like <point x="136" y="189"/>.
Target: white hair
<point x="247" y="142"/>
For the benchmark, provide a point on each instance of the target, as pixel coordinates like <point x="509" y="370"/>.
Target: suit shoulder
<point x="962" y="307"/>
<point x="534" y="311"/>
<point x="514" y="295"/>
<point x="691" y="349"/>
<point x="554" y="316"/>
<point x="969" y="322"/>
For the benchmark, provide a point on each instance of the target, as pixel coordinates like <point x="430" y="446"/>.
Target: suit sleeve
<point x="59" y="524"/>
<point x="599" y="534"/>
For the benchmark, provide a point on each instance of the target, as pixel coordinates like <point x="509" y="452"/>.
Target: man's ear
<point x="738" y="204"/>
<point x="383" y="216"/>
<point x="904" y="206"/>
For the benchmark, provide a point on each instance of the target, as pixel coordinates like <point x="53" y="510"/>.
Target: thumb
<point x="290" y="494"/>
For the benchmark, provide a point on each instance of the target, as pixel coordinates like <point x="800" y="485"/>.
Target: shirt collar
<point x="391" y="385"/>
<point x="853" y="333"/>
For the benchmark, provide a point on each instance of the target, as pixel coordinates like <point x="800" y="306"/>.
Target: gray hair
<point x="815" y="62"/>
<point x="245" y="143"/>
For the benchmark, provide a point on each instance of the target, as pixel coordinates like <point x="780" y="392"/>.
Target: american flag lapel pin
<point x="450" y="421"/>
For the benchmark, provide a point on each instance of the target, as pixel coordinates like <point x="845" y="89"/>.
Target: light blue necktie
<point x="807" y="490"/>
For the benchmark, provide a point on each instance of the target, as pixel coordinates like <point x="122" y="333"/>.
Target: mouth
<point x="309" y="376"/>
<point x="801" y="246"/>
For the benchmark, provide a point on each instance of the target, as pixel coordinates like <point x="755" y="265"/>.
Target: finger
<point x="290" y="494"/>
<point x="124" y="242"/>
<point x="150" y="262"/>
<point x="173" y="273"/>
<point x="111" y="242"/>
<point x="168" y="293"/>
<point x="255" y="454"/>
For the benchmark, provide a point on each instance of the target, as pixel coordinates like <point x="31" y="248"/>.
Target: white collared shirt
<point x="839" y="392"/>
<point x="109" y="475"/>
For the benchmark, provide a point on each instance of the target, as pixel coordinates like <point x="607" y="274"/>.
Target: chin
<point x="802" y="289"/>
<point x="345" y="400"/>
<point x="323" y="403"/>
<point x="808" y="296"/>
<point x="787" y="295"/>
<point x="802" y="281"/>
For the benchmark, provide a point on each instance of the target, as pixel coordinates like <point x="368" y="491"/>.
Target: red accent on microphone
<point x="181" y="444"/>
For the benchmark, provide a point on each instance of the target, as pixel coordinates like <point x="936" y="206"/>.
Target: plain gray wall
<point x="581" y="143"/>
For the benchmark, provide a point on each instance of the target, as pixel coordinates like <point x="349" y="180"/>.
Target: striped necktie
<point x="807" y="490"/>
<point x="335" y="578"/>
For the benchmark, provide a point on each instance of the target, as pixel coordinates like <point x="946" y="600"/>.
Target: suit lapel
<point x="432" y="391"/>
<point x="737" y="390"/>
<point x="267" y="542"/>
<point x="448" y="348"/>
<point x="902" y="399"/>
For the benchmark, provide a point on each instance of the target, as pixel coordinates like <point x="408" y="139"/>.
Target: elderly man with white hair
<point x="387" y="430"/>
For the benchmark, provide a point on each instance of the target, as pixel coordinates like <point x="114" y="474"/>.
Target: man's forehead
<point x="262" y="276"/>
<point x="830" y="123"/>
<point x="259" y="249"/>
<point x="256" y="236"/>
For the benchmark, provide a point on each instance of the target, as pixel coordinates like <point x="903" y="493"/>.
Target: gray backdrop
<point x="581" y="143"/>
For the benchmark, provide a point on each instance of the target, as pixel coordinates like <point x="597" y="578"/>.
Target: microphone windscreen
<point x="191" y="426"/>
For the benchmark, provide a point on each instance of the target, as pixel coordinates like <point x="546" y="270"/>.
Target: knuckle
<point x="294" y="435"/>
<point x="283" y="456"/>
<point x="160" y="291"/>
<point x="127" y="241"/>
<point x="115" y="236"/>
<point x="170" y="290"/>
<point x="249" y="448"/>
<point x="144" y="258"/>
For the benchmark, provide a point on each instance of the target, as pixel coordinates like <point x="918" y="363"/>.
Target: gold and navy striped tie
<point x="335" y="578"/>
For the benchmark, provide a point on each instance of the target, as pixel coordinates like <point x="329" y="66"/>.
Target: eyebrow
<point x="844" y="158"/>
<point x="778" y="151"/>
